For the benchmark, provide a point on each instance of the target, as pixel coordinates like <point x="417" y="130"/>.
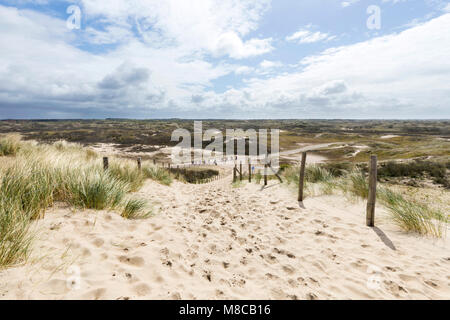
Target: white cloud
<point x="348" y="3"/>
<point x="382" y="77"/>
<point x="165" y="69"/>
<point x="266" y="64"/>
<point x="231" y="44"/>
<point x="111" y="34"/>
<point x="212" y="26"/>
<point x="308" y="36"/>
<point x="446" y="8"/>
<point x="243" y="70"/>
<point x="42" y="69"/>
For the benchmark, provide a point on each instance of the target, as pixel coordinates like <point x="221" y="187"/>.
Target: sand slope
<point x="214" y="241"/>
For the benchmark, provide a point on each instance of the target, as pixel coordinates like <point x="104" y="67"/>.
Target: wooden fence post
<point x="249" y="172"/>
<point x="301" y="181"/>
<point x="240" y="171"/>
<point x="265" y="174"/>
<point x="105" y="163"/>
<point x="370" y="214"/>
<point x="154" y="161"/>
<point x="139" y="163"/>
<point x="234" y="173"/>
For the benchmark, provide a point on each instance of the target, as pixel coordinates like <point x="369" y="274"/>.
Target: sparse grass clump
<point x="358" y="184"/>
<point x="412" y="216"/>
<point x="315" y="174"/>
<point x="95" y="190"/>
<point x="127" y="172"/>
<point x="10" y="145"/>
<point x="135" y="209"/>
<point x="15" y="235"/>
<point x="158" y="174"/>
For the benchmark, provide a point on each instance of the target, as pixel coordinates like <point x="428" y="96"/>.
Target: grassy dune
<point x="34" y="176"/>
<point x="410" y="215"/>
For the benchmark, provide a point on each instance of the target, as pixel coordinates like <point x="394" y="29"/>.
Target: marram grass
<point x="135" y="209"/>
<point x="37" y="175"/>
<point x="412" y="216"/>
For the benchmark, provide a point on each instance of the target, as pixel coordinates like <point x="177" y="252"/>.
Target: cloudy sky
<point x="225" y="59"/>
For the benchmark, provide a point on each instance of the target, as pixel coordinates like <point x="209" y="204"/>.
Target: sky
<point x="225" y="59"/>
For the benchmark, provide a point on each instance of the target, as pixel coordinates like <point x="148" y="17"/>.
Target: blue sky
<point x="225" y="59"/>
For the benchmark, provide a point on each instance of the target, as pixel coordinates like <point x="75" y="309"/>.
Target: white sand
<point x="213" y="241"/>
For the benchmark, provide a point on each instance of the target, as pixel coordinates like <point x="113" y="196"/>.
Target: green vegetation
<point x="94" y="190"/>
<point x="194" y="175"/>
<point x="418" y="169"/>
<point x="411" y="216"/>
<point x="127" y="172"/>
<point x="135" y="209"/>
<point x="9" y="145"/>
<point x="41" y="174"/>
<point x="158" y="174"/>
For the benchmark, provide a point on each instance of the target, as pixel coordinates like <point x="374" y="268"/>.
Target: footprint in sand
<point x="134" y="261"/>
<point x="141" y="289"/>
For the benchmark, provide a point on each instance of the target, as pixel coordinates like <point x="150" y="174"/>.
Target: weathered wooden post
<point x="265" y="174"/>
<point x="154" y="161"/>
<point x="240" y="171"/>
<point x="249" y="171"/>
<point x="301" y="181"/>
<point x="139" y="163"/>
<point x="105" y="163"/>
<point x="234" y="173"/>
<point x="370" y="214"/>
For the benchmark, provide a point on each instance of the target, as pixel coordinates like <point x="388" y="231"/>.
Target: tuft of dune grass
<point x="127" y="172"/>
<point x="412" y="216"/>
<point x="316" y="173"/>
<point x="15" y="235"/>
<point x="356" y="183"/>
<point x="135" y="209"/>
<point x="95" y="190"/>
<point x="10" y="145"/>
<point x="158" y="174"/>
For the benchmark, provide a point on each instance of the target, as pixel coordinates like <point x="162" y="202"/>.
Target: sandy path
<point x="214" y="241"/>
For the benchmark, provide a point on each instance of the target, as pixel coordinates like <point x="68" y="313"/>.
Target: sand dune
<point x="214" y="241"/>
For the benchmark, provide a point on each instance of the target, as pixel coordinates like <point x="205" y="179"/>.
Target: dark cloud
<point x="124" y="76"/>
